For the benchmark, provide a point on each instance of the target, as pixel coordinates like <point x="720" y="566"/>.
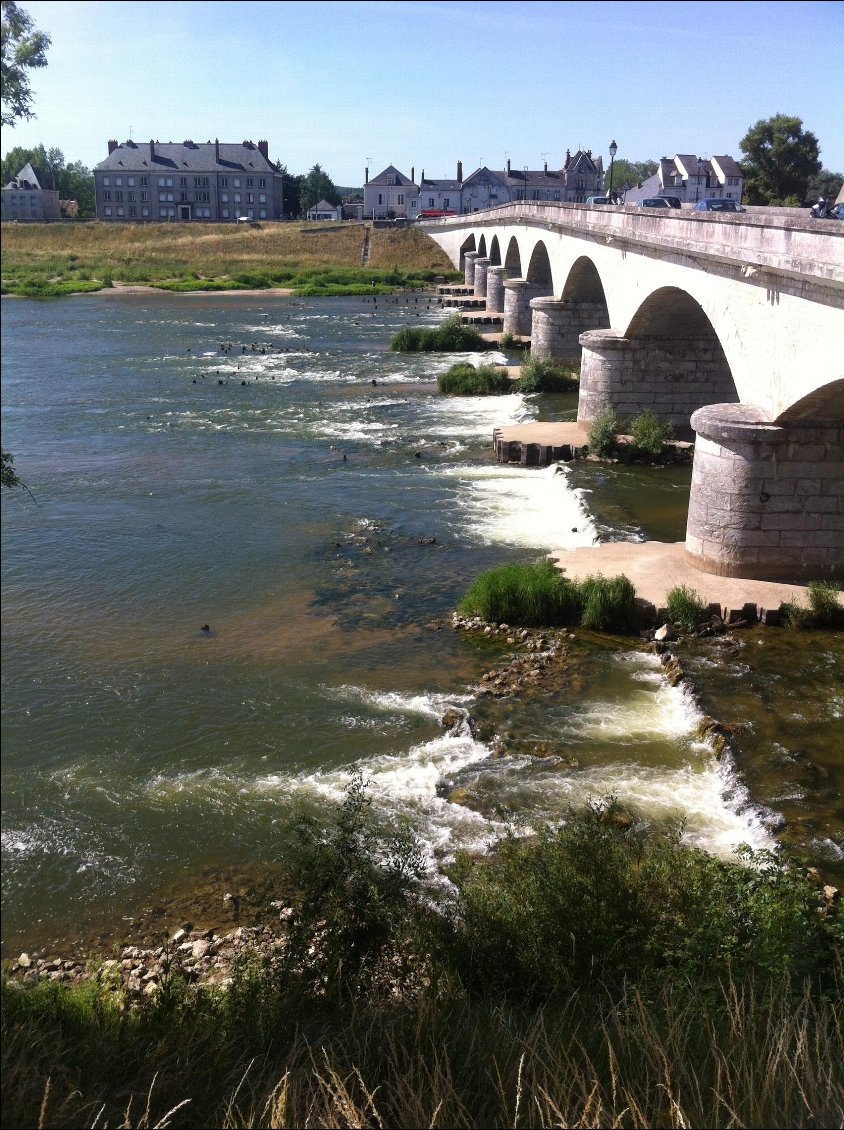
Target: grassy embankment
<point x="48" y="260"/>
<point x="603" y="975"/>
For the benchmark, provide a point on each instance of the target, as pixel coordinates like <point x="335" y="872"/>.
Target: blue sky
<point x="426" y="84"/>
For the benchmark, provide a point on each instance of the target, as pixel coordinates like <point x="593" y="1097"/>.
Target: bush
<point x="540" y="374"/>
<point x="686" y="609"/>
<point x="507" y="340"/>
<point x="609" y="604"/>
<point x="527" y="595"/>
<point x="650" y="433"/>
<point x="450" y="337"/>
<point x="603" y="435"/>
<point x="823" y="601"/>
<point x="467" y="380"/>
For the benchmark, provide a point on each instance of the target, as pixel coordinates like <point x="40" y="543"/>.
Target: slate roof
<point x="26" y="180"/>
<point x="193" y="157"/>
<point x="450" y="185"/>
<point x="390" y="178"/>
<point x="728" y="166"/>
<point x="324" y="206"/>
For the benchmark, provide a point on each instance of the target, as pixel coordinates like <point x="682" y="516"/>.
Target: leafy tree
<point x="317" y="186"/>
<point x="23" y="47"/>
<point x="629" y="172"/>
<point x="73" y="181"/>
<point x="826" y="184"/>
<point x="292" y="188"/>
<point x="780" y="157"/>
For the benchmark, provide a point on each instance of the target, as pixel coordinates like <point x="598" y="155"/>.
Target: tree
<point x="629" y="172"/>
<point x="23" y="48"/>
<point x="826" y="184"/>
<point x="291" y="184"/>
<point x="779" y="159"/>
<point x="73" y="181"/>
<point x="317" y="186"/>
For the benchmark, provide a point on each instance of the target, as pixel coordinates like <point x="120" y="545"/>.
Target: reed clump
<point x="465" y="379"/>
<point x="539" y="595"/>
<point x="451" y="336"/>
<point x="824" y="609"/>
<point x="541" y="374"/>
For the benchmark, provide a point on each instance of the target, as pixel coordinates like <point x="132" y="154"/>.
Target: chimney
<point x="422" y="177"/>
<point x="151" y="150"/>
<point x="413" y="173"/>
<point x="264" y="149"/>
<point x="217" y="150"/>
<point x="366" y="176"/>
<point x="508" y="166"/>
<point x="460" y="172"/>
<point x="568" y="159"/>
<point x="545" y="168"/>
<point x="112" y="145"/>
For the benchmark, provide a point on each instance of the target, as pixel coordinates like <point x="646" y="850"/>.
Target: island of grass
<point x="537" y="375"/>
<point x="49" y="260"/>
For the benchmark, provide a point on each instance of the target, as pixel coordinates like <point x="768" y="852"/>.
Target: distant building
<point x="23" y="198"/>
<point x="392" y="195"/>
<point x="691" y="178"/>
<point x="325" y="211"/>
<point x="187" y="182"/>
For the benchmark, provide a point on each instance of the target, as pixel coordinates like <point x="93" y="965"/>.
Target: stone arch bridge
<point x="729" y="325"/>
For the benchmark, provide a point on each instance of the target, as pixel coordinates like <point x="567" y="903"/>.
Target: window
<point x="557" y="194"/>
<point x="107" y="210"/>
<point x="401" y="198"/>
<point x="536" y="194"/>
<point x="224" y="196"/>
<point x="142" y="181"/>
<point x="237" y="198"/>
<point x="130" y="196"/>
<point x="263" y="213"/>
<point x="250" y="182"/>
<point x="201" y="197"/>
<point x="183" y="182"/>
<point x="237" y="182"/>
<point x="225" y="213"/>
<point x="430" y="201"/>
<point x="144" y="211"/>
<point x="380" y="198"/>
<point x="132" y="210"/>
<point x="200" y="182"/>
<point x="446" y="203"/>
<point x="118" y="181"/>
<point x="106" y="182"/>
<point x="183" y="198"/>
<point x="250" y="197"/>
<point x="117" y="196"/>
<point x="130" y="181"/>
<point x="120" y="211"/>
<point x="224" y="182"/>
<point x="106" y="196"/>
<point x="262" y="182"/>
<point x="144" y="196"/>
<point x="262" y="199"/>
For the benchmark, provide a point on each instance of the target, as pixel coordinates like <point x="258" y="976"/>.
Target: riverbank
<point x="52" y="260"/>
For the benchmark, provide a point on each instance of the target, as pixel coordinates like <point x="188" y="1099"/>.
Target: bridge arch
<point x="823" y="404"/>
<point x="482" y="246"/>
<point x="669" y="361"/>
<point x="513" y="259"/>
<point x="494" y="252"/>
<point x="539" y="272"/>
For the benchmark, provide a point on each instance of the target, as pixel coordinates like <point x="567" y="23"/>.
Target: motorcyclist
<point x="819" y="210"/>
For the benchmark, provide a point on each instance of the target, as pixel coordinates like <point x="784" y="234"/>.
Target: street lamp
<point x="697" y="183"/>
<point x="526" y="176"/>
<point x="613" y="151"/>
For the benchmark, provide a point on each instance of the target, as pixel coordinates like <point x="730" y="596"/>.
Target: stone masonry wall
<point x="557" y="326"/>
<point x="766" y="501"/>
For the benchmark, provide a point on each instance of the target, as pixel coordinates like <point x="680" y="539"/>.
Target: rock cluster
<point x="541" y="661"/>
<point x="200" y="957"/>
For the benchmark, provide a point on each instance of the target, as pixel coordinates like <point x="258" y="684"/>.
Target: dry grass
<point x="96" y="252"/>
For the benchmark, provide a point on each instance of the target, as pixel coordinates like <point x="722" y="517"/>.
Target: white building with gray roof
<point x="187" y="182"/>
<point x="691" y="178"/>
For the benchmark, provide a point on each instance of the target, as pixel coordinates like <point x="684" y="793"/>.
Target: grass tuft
<point x="465" y="379"/>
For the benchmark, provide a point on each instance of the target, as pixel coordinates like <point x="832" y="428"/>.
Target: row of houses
<point x="393" y="195"/>
<point x="691" y="178"/>
<point x="24" y="198"/>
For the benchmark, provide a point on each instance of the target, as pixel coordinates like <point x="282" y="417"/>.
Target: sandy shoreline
<point x="134" y="288"/>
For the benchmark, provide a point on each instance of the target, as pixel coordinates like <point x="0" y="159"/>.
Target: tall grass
<point x="540" y="596"/>
<point x="451" y="336"/>
<point x="540" y="374"/>
<point x="824" y="610"/>
<point x="465" y="379"/>
<point x="686" y="609"/>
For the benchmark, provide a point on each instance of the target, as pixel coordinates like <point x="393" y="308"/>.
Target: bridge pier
<point x="469" y="267"/>
<point x="558" y="324"/>
<point x="670" y="376"/>
<point x="481" y="268"/>
<point x="766" y="499"/>
<point x="495" y="277"/>
<point x="518" y="316"/>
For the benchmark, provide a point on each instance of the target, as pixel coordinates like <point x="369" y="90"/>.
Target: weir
<point x="727" y="325"/>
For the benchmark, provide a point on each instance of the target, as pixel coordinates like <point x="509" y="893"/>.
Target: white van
<point x="598" y="200"/>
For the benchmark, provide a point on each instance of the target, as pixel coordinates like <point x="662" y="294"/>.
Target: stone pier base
<point x="481" y="268"/>
<point x="767" y="500"/>
<point x="495" y="277"/>
<point x="518" y="316"/>
<point x="469" y="267"/>
<point x="558" y="324"/>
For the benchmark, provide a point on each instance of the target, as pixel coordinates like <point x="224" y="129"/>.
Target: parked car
<point x="659" y="202"/>
<point x="837" y="211"/>
<point x="598" y="200"/>
<point x="717" y="205"/>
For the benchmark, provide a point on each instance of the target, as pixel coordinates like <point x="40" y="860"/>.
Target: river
<point x="265" y="467"/>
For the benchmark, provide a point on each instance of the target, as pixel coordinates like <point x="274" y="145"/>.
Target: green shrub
<point x="823" y="601"/>
<point x="540" y="374"/>
<point x="650" y="433"/>
<point x="603" y="435"/>
<point x="686" y="609"/>
<point x="465" y="379"/>
<point x="452" y="336"/>
<point x="526" y="595"/>
<point x="507" y="340"/>
<point x="609" y="604"/>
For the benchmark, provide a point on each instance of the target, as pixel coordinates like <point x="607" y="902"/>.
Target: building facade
<point x="211" y="182"/>
<point x="390" y="195"/>
<point x="23" y="198"/>
<point x="691" y="178"/>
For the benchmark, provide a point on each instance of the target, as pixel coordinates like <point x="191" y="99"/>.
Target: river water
<point x="318" y="506"/>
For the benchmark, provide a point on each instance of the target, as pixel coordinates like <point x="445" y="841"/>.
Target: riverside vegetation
<point x="537" y="375"/>
<point x="601" y="974"/>
<point x="49" y="260"/>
